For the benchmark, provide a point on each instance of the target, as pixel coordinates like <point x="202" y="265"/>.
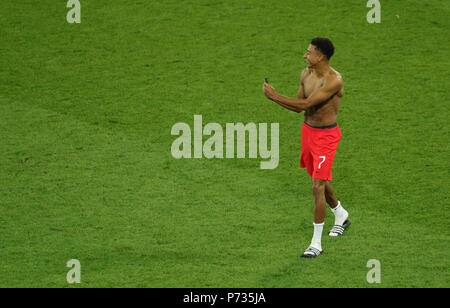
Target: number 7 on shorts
<point x="323" y="160"/>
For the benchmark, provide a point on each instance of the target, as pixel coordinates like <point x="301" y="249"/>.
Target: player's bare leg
<point x="320" y="205"/>
<point x="320" y="208"/>
<point x="329" y="195"/>
<point x="331" y="199"/>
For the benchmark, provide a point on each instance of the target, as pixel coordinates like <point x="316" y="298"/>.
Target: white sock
<point x="340" y="214"/>
<point x="316" y="241"/>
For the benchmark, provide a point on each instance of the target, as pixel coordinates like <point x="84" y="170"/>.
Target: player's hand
<point x="269" y="91"/>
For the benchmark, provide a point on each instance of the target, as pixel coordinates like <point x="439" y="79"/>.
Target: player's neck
<point x="321" y="69"/>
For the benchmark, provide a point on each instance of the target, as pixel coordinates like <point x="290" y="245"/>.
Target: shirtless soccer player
<point x="319" y="95"/>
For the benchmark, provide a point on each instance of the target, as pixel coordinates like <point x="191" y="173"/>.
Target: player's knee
<point x="318" y="187"/>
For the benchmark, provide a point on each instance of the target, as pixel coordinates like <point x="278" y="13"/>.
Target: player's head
<point x="320" y="49"/>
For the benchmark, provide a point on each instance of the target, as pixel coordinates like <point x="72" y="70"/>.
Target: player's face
<point x="312" y="56"/>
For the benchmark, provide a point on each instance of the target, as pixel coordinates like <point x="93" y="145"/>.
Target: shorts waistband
<point x="323" y="127"/>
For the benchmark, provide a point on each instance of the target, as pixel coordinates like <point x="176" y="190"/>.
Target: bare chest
<point x="311" y="84"/>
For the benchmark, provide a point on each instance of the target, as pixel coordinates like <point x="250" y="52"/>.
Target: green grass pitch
<point x="86" y="170"/>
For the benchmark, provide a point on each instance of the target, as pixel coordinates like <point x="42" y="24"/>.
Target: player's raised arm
<point x="300" y="92"/>
<point x="268" y="87"/>
<point x="333" y="85"/>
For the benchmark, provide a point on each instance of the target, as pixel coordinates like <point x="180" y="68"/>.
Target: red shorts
<point x="318" y="149"/>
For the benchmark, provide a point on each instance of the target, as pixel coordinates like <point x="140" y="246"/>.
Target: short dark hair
<point x="324" y="45"/>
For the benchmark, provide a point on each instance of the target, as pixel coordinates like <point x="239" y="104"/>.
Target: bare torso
<point x="323" y="114"/>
